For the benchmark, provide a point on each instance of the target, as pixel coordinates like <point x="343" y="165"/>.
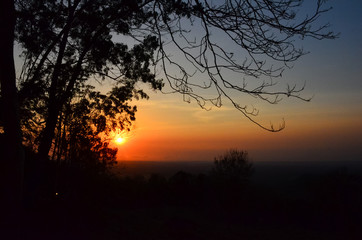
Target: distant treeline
<point x="79" y="203"/>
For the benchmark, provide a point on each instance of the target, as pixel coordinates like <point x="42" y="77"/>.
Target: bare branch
<point x="263" y="34"/>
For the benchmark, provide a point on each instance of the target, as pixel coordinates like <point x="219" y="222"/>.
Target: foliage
<point x="84" y="128"/>
<point x="233" y="166"/>
<point x="67" y="45"/>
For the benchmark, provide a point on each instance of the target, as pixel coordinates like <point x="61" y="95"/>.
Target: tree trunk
<point x="48" y="132"/>
<point x="12" y="157"/>
<point x="55" y="103"/>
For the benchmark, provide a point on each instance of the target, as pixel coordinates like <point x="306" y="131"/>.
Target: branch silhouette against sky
<point x="208" y="52"/>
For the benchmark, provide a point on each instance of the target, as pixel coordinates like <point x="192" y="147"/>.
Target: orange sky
<point x="169" y="129"/>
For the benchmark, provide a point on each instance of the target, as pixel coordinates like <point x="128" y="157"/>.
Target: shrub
<point x="233" y="166"/>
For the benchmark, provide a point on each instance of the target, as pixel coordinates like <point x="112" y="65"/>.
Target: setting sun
<point x="120" y="140"/>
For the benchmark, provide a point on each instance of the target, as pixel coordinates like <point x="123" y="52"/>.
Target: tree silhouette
<point x="234" y="166"/>
<point x="66" y="45"/>
<point x="83" y="130"/>
<point x="69" y="43"/>
<point x="11" y="154"/>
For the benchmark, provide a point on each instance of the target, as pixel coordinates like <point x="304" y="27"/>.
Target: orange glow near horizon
<point x="168" y="131"/>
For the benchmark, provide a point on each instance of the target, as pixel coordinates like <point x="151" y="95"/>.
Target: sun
<point x="120" y="140"/>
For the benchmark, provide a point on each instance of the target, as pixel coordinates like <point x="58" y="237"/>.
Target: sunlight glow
<point x="119" y="140"/>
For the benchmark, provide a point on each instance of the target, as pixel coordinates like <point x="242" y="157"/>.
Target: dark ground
<point x="279" y="202"/>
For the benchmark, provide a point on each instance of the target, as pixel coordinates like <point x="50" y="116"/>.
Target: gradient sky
<point x="327" y="128"/>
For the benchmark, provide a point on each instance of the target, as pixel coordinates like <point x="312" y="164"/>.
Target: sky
<point x="327" y="128"/>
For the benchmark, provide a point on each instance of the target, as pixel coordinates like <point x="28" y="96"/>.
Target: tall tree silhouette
<point x="11" y="154"/>
<point x="67" y="43"/>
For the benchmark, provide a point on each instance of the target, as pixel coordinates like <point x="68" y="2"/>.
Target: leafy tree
<point x="65" y="44"/>
<point x="69" y="43"/>
<point x="82" y="134"/>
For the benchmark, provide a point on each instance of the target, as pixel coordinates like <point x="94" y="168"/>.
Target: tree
<point x="82" y="133"/>
<point x="234" y="166"/>
<point x="67" y="43"/>
<point x="11" y="154"/>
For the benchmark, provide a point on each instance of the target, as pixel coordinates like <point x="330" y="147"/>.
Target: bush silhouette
<point x="233" y="166"/>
